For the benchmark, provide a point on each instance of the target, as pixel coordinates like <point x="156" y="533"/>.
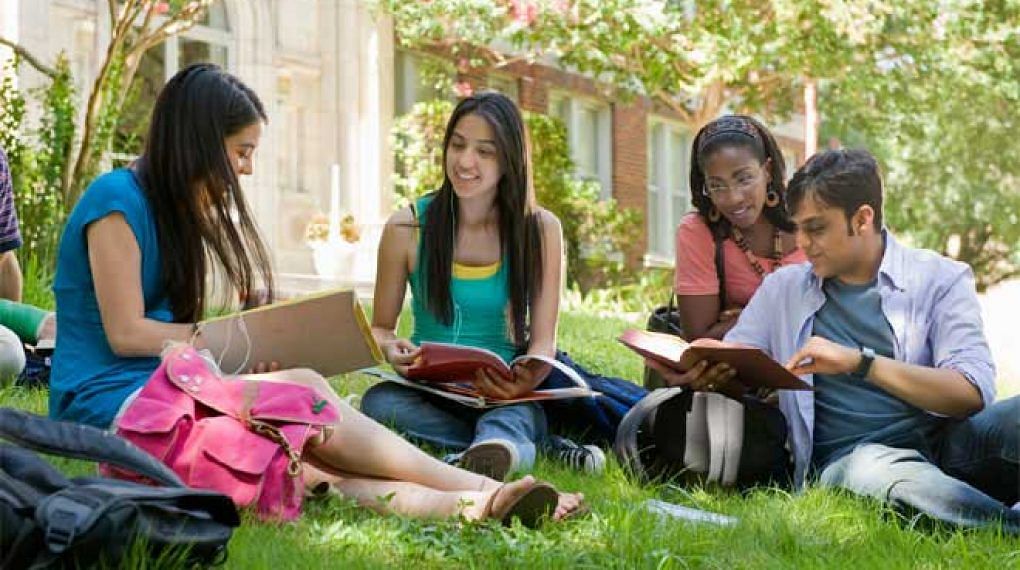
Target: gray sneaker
<point x="494" y="458"/>
<point x="587" y="458"/>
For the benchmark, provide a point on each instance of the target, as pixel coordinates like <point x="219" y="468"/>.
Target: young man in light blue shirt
<point x="890" y="336"/>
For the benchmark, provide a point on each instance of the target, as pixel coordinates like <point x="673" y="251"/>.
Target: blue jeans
<point x="970" y="478"/>
<point x="453" y="427"/>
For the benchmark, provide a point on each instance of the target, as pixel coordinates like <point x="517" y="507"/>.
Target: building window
<point x="411" y="81"/>
<point x="669" y="147"/>
<point x="589" y="132"/>
<point x="210" y="40"/>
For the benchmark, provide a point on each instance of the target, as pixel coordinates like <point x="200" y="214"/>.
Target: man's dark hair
<point x="845" y="179"/>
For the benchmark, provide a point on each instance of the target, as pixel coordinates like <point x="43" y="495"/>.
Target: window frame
<point x="665" y="185"/>
<point x="573" y="107"/>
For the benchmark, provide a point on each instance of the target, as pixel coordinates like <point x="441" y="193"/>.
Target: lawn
<point x="814" y="529"/>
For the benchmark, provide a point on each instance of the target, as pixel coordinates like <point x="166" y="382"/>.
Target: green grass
<point x="814" y="529"/>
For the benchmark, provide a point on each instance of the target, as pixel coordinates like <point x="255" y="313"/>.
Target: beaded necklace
<point x="777" y="250"/>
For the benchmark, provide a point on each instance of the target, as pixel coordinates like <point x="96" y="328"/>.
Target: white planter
<point x="334" y="259"/>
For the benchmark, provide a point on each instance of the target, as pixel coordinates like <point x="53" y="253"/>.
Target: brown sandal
<point x="536" y="503"/>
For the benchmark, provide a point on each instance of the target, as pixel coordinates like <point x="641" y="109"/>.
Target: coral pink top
<point x="695" y="264"/>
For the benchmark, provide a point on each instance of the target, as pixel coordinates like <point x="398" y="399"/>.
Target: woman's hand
<point x="493" y="385"/>
<point x="401" y="354"/>
<point x="264" y="367"/>
<point x="730" y="315"/>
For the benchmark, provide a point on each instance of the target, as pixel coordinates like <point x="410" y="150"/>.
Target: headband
<point x="730" y="124"/>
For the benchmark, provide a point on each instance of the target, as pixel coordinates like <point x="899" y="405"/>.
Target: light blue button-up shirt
<point x="929" y="301"/>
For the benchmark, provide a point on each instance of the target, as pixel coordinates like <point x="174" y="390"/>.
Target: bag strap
<point x="77" y="441"/>
<point x="720" y="270"/>
<point x="720" y="273"/>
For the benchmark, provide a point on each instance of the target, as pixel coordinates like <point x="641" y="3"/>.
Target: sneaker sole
<point x="492" y="460"/>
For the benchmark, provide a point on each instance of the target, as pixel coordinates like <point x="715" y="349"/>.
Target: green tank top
<point x="480" y="299"/>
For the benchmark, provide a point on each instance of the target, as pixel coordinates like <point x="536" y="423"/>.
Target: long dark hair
<point x="747" y="132"/>
<point x="196" y="199"/>
<point x="520" y="236"/>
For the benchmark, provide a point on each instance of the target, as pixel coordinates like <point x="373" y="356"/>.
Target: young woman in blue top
<point x="131" y="276"/>
<point x="485" y="265"/>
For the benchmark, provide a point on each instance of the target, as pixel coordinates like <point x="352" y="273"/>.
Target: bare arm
<point x="546" y="311"/>
<point x="393" y="263"/>
<point x="528" y="375"/>
<point x="702" y="318"/>
<point x="939" y="390"/>
<point x="116" y="264"/>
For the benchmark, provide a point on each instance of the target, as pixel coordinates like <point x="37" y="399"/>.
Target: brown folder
<point x="327" y="332"/>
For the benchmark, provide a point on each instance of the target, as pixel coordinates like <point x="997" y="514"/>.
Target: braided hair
<point x="740" y="131"/>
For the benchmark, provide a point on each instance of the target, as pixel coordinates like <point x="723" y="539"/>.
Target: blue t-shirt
<point x="89" y="382"/>
<point x="849" y="410"/>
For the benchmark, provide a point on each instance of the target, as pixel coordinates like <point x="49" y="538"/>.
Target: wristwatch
<point x="867" y="359"/>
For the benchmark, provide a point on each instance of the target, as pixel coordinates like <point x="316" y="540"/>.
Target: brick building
<point x="332" y="80"/>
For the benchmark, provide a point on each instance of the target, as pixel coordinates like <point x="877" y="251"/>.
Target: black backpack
<point x="675" y="434"/>
<point x="50" y="521"/>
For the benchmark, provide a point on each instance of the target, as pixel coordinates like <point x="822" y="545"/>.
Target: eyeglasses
<point x="744" y="182"/>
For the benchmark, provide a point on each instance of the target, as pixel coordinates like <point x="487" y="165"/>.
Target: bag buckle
<point x="61" y="530"/>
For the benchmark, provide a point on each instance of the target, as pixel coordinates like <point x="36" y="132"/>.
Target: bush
<point x="37" y="158"/>
<point x="595" y="231"/>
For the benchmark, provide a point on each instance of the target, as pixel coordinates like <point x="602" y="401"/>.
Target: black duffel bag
<point x="666" y="318"/>
<point x="50" y="521"/>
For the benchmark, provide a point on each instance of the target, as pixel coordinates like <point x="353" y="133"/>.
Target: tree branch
<point x="31" y="59"/>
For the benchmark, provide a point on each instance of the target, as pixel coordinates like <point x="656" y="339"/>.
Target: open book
<point x="327" y="332"/>
<point x="448" y="370"/>
<point x="754" y="368"/>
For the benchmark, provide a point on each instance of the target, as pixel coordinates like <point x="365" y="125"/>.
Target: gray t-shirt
<point x="849" y="410"/>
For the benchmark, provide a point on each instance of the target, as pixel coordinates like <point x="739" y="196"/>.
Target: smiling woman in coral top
<point x="738" y="188"/>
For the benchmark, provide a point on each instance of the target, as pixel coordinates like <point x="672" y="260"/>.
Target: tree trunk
<point x="810" y="118"/>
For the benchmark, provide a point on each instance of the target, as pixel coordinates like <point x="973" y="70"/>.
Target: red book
<point x="453" y="363"/>
<point x="754" y="368"/>
<point x="449" y="370"/>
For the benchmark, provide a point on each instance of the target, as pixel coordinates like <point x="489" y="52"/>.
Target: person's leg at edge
<point x="903" y="478"/>
<point x="412" y="414"/>
<point x="522" y="425"/>
<point x="12" y="354"/>
<point x="984" y="450"/>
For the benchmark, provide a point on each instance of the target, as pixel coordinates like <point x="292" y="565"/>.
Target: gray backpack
<point x="50" y="521"/>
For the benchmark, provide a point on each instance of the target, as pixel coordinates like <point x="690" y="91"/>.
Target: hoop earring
<point x="772" y="198"/>
<point x="714" y="215"/>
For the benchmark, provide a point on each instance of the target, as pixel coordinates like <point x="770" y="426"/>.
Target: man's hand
<point x="702" y="377"/>
<point x="822" y="356"/>
<point x="401" y="354"/>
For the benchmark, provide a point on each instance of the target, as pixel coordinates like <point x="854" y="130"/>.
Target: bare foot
<point x="569" y="505"/>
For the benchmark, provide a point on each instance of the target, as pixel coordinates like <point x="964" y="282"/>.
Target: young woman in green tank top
<point x="485" y="267"/>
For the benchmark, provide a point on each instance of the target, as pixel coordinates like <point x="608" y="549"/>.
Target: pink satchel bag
<point x="243" y="439"/>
